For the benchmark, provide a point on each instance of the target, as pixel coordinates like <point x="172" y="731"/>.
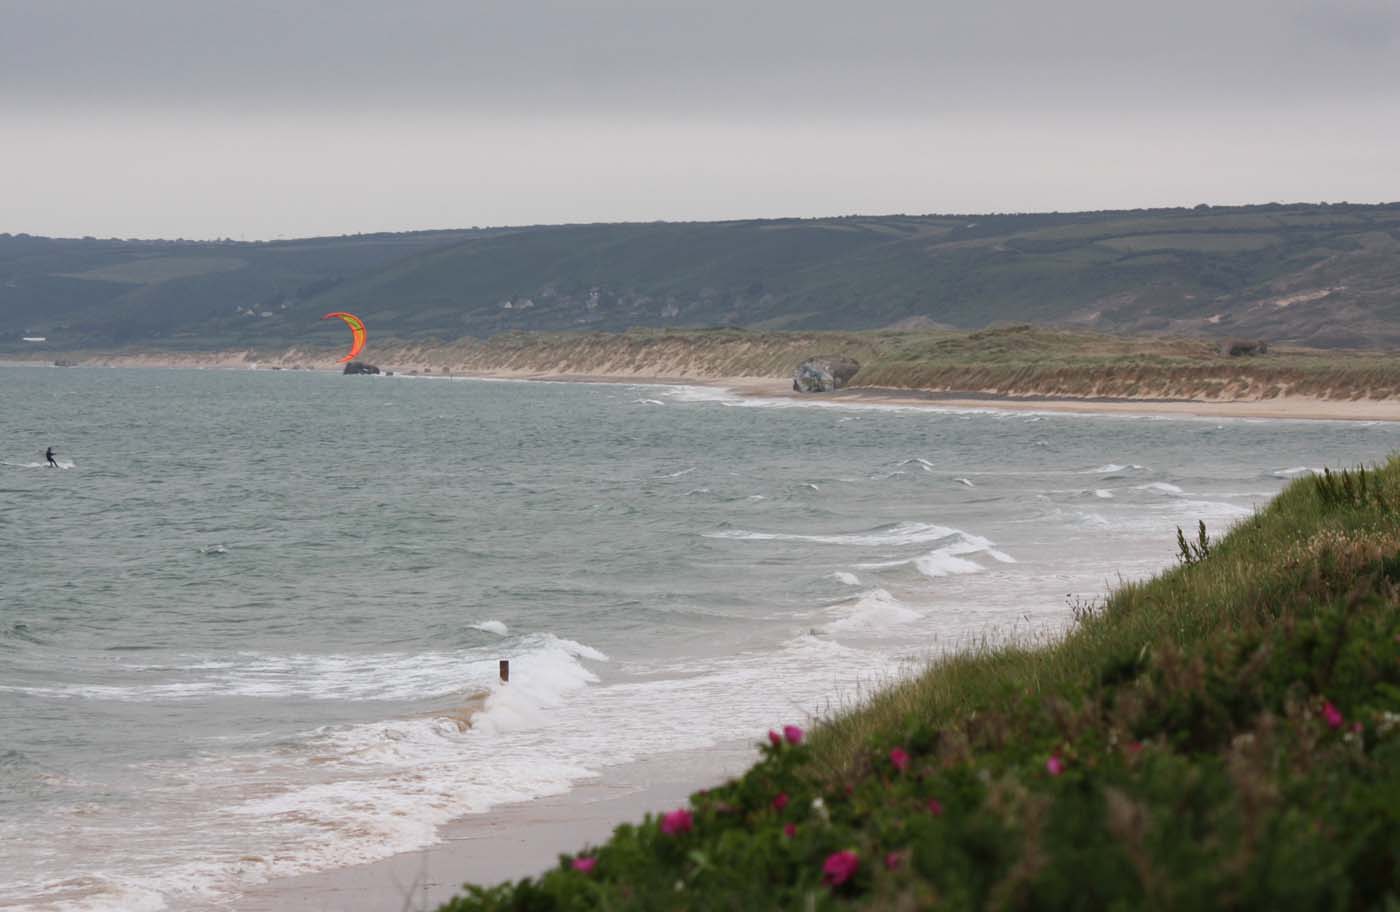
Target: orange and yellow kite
<point x="357" y="327"/>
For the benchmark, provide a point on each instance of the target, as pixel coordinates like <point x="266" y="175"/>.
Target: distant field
<point x="1205" y="243"/>
<point x="158" y="269"/>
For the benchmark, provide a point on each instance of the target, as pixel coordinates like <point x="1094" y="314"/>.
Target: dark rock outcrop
<point x="824" y="373"/>
<point x="360" y="367"/>
<point x="1236" y="348"/>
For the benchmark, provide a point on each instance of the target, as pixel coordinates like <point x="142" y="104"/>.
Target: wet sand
<point x="508" y="842"/>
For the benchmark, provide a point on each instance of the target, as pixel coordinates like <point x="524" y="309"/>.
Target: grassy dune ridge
<point x="1010" y="361"/>
<point x="1016" y="361"/>
<point x="1225" y="735"/>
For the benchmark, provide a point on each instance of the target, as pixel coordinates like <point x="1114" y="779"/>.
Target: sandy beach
<point x="1282" y="407"/>
<point x="508" y="842"/>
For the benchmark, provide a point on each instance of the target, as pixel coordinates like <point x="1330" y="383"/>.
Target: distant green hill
<point x="1326" y="275"/>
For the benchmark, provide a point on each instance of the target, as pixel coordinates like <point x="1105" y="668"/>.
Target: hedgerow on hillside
<point x="1226" y="735"/>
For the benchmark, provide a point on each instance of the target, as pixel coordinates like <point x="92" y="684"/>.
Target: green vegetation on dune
<point x="1325" y="275"/>
<point x="1024" y="361"/>
<point x="1012" y="360"/>
<point x="1226" y="735"/>
<point x="1016" y="361"/>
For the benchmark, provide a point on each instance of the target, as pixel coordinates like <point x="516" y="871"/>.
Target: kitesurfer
<point x="53" y="463"/>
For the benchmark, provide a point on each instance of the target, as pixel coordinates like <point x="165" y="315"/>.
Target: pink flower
<point x="935" y="808"/>
<point x="677" y="822"/>
<point x="1134" y="747"/>
<point x="793" y="734"/>
<point x="892" y="860"/>
<point x="585" y="865"/>
<point x="1054" y="766"/>
<point x="900" y="758"/>
<point x="839" y="867"/>
<point x="789" y="830"/>
<point x="774" y="738"/>
<point x="780" y="801"/>
<point x="1331" y="714"/>
<point x="1357" y="727"/>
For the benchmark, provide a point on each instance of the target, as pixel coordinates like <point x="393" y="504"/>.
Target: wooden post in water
<point x="505" y="671"/>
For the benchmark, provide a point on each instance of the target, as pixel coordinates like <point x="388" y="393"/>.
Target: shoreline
<point x="515" y="840"/>
<point x="1284" y="407"/>
<point x="508" y="842"/>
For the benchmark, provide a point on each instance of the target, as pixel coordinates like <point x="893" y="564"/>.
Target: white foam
<point x="1103" y="494"/>
<point x="62" y="464"/>
<point x="702" y="394"/>
<point x="850" y="579"/>
<point x="729" y="398"/>
<point x="678" y="474"/>
<point x="368" y="677"/>
<point x="540" y="681"/>
<point x="648" y="402"/>
<point x="1114" y="468"/>
<point x="941" y="563"/>
<point x="93" y="894"/>
<point x="965" y="482"/>
<point x="1162" y="487"/>
<point x="871" y="611"/>
<point x="371" y="790"/>
<point x="495" y="627"/>
<point x="1295" y="471"/>
<point x="904" y="533"/>
<point x="951" y="558"/>
<point x="1163" y="516"/>
<point x="920" y="462"/>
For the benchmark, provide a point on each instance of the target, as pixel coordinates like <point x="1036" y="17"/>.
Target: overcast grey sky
<point x="258" y="118"/>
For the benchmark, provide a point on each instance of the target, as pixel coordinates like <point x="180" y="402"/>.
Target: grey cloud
<point x="199" y="118"/>
<point x="739" y="57"/>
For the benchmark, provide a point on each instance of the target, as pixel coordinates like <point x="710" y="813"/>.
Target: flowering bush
<point x="677" y="822"/>
<point x="839" y="867"/>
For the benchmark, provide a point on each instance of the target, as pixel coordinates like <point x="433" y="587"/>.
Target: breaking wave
<point x="873" y="612"/>
<point x="903" y="533"/>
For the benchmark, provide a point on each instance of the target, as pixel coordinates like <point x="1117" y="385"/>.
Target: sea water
<point x="243" y="628"/>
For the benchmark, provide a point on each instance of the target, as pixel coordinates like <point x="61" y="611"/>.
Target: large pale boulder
<point x="824" y="373"/>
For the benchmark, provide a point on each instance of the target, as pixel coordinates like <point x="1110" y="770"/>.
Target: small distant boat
<point x="63" y="362"/>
